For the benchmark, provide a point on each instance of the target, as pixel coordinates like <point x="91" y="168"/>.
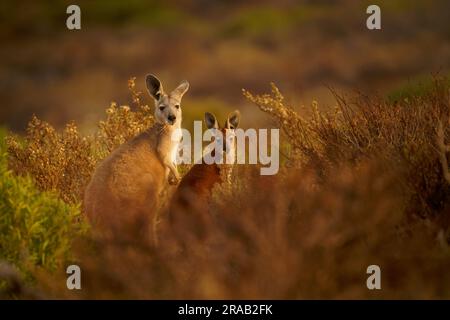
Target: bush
<point x="65" y="161"/>
<point x="364" y="184"/>
<point x="36" y="228"/>
<point x="401" y="135"/>
<point x="56" y="161"/>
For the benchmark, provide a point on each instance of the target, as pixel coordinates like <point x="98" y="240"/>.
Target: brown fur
<point x="188" y="217"/>
<point x="199" y="181"/>
<point x="196" y="186"/>
<point x="122" y="197"/>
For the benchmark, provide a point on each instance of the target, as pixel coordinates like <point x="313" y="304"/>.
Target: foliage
<point x="36" y="228"/>
<point x="400" y="135"/>
<point x="65" y="161"/>
<point x="363" y="185"/>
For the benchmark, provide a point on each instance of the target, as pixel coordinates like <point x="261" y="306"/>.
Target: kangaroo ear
<point x="154" y="86"/>
<point x="210" y="120"/>
<point x="180" y="90"/>
<point x="233" y="120"/>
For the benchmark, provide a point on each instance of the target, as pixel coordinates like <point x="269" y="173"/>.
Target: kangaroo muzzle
<point x="171" y="118"/>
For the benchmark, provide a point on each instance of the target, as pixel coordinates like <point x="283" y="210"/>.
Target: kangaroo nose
<point x="172" y="118"/>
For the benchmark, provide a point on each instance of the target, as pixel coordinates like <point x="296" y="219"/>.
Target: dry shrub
<point x="366" y="188"/>
<point x="400" y="134"/>
<point x="288" y="237"/>
<point x="56" y="161"/>
<point x="122" y="123"/>
<point x="64" y="161"/>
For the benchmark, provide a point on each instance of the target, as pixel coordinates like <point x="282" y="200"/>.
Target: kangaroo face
<point x="167" y="106"/>
<point x="224" y="136"/>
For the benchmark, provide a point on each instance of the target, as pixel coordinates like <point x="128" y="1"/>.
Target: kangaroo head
<point x="167" y="106"/>
<point x="224" y="136"/>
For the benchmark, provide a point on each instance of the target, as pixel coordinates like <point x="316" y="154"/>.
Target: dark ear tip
<point x="209" y="115"/>
<point x="233" y="119"/>
<point x="154" y="86"/>
<point x="151" y="79"/>
<point x="235" y="113"/>
<point x="210" y="119"/>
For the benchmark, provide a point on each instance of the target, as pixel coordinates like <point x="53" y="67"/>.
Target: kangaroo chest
<point x="168" y="144"/>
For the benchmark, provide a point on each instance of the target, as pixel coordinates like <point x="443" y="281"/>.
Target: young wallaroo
<point x="122" y="197"/>
<point x="188" y="215"/>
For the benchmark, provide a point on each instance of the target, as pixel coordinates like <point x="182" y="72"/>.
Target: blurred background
<point x="219" y="46"/>
<point x="355" y="189"/>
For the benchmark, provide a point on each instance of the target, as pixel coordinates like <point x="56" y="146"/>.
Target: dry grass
<point x="400" y="135"/>
<point x="364" y="185"/>
<point x="57" y="161"/>
<point x="65" y="161"/>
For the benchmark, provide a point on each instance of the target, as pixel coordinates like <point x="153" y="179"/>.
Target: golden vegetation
<point x="364" y="185"/>
<point x="400" y="135"/>
<point x="65" y="161"/>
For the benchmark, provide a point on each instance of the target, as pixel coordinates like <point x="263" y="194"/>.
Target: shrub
<point x="364" y="186"/>
<point x="122" y="123"/>
<point x="64" y="161"/>
<point x="401" y="135"/>
<point x="56" y="161"/>
<point x="36" y="228"/>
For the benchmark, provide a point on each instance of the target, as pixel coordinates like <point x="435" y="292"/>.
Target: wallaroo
<point x="257" y="147"/>
<point x="122" y="196"/>
<point x="187" y="216"/>
<point x="235" y="139"/>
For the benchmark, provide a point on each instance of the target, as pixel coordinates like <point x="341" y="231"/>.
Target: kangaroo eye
<point x="177" y="106"/>
<point x="162" y="108"/>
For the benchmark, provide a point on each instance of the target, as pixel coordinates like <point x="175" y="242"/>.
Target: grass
<point x="419" y="86"/>
<point x="363" y="185"/>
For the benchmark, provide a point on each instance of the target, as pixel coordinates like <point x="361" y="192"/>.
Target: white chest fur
<point x="174" y="146"/>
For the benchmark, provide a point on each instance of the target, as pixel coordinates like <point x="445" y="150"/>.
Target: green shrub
<point x="36" y="228"/>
